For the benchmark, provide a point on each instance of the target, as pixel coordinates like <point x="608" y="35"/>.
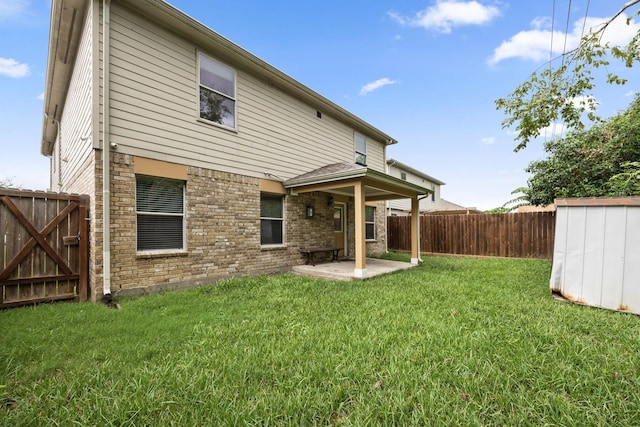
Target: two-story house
<point x="201" y="160"/>
<point x="429" y="202"/>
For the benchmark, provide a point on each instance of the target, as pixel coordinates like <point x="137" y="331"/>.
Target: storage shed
<point x="596" y="257"/>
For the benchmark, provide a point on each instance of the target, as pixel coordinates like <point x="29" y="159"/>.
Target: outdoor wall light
<point x="309" y="211"/>
<point x="330" y="201"/>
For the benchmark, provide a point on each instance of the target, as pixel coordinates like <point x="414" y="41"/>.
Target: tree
<point x="601" y="161"/>
<point x="8" y="183"/>
<point x="512" y="205"/>
<point x="565" y="92"/>
<point x="627" y="182"/>
<point x="212" y="106"/>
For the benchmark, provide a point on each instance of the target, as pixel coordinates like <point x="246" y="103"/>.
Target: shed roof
<point x="599" y="201"/>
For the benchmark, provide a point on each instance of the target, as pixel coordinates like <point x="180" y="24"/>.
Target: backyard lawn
<point x="456" y="341"/>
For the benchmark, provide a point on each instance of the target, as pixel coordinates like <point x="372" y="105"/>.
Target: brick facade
<point x="222" y="229"/>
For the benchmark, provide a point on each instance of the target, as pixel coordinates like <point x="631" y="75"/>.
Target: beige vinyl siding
<point x="154" y="112"/>
<point x="76" y="122"/>
<point x="412" y="178"/>
<point x="405" y="204"/>
<point x="375" y="155"/>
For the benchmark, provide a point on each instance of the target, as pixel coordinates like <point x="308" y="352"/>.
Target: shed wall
<point x="596" y="258"/>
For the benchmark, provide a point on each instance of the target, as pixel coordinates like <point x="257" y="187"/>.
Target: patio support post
<point x="415" y="233"/>
<point x="360" y="234"/>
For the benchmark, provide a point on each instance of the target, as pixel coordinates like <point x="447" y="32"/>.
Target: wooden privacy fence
<point x="517" y="235"/>
<point x="43" y="247"/>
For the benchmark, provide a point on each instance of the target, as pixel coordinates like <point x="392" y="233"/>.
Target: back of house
<point x="191" y="150"/>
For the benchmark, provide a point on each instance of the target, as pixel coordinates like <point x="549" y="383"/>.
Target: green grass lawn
<point x="456" y="341"/>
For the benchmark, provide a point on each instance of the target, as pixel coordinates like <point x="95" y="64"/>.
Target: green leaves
<point x="601" y="161"/>
<point x="627" y="182"/>
<point x="558" y="92"/>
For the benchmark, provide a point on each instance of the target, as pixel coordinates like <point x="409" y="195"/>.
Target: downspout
<point x="52" y="157"/>
<point x="106" y="156"/>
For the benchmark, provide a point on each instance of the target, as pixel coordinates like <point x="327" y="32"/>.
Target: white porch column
<point x="360" y="235"/>
<point x="415" y="238"/>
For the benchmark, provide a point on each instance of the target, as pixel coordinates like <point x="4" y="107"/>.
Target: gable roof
<point x="339" y="178"/>
<point x="69" y="15"/>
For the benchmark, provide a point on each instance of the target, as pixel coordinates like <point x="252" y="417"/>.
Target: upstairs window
<point x="403" y="176"/>
<point x="159" y="213"/>
<point x="271" y="219"/>
<point x="217" y="92"/>
<point x="361" y="149"/>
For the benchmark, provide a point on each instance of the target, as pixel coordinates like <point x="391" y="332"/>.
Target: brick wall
<point x="374" y="248"/>
<point x="222" y="231"/>
<point x="379" y="246"/>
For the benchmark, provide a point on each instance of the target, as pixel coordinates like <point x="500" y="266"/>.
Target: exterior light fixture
<point x="309" y="210"/>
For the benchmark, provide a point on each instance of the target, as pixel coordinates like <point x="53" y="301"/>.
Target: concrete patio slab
<point x="344" y="270"/>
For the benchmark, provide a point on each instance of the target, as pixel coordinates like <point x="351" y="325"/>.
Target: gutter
<point x="106" y="155"/>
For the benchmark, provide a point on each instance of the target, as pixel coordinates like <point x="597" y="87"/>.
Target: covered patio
<point x="360" y="185"/>
<point x="343" y="270"/>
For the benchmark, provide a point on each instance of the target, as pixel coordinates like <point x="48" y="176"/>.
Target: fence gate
<point x="43" y="247"/>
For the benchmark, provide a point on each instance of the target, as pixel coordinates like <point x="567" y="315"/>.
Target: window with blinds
<point x="271" y="219"/>
<point x="370" y="222"/>
<point x="160" y="213"/>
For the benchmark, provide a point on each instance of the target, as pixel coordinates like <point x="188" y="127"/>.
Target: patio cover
<point x="363" y="185"/>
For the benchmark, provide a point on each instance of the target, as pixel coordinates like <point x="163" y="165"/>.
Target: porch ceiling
<point x="340" y="178"/>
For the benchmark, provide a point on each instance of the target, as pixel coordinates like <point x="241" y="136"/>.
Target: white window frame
<point x="233" y="98"/>
<point x="370" y="222"/>
<point x="360" y="152"/>
<point x="166" y="214"/>
<point x="282" y="220"/>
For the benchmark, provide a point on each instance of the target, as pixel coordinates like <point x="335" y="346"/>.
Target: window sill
<point x="218" y="125"/>
<point x="371" y="240"/>
<point x="161" y="254"/>
<point x="272" y="247"/>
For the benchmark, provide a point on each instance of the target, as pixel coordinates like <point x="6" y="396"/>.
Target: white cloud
<point x="553" y="130"/>
<point x="446" y="14"/>
<point x="541" y="23"/>
<point x="12" y="8"/>
<point x="630" y="93"/>
<point x="488" y="140"/>
<point x="12" y="68"/>
<point x="41" y="96"/>
<point x="535" y="44"/>
<point x="370" y="87"/>
<point x="589" y="102"/>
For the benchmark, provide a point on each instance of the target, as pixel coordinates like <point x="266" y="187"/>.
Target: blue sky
<point x="426" y="72"/>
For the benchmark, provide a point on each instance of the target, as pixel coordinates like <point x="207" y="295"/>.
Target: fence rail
<point x="518" y="235"/>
